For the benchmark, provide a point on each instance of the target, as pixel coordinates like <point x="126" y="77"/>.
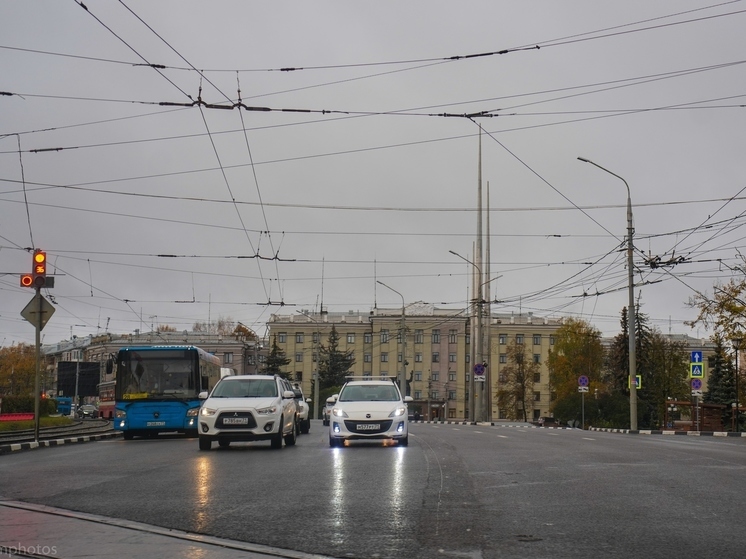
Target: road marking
<point x="480" y="432"/>
<point x="503" y="436"/>
<point x="587" y="439"/>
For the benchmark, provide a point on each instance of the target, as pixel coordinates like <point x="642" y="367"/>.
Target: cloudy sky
<point x="126" y="155"/>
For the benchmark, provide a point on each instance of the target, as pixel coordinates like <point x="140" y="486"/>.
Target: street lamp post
<point x="631" y="307"/>
<point x="403" y="371"/>
<point x="475" y="402"/>
<point x="314" y="373"/>
<point x="737" y="347"/>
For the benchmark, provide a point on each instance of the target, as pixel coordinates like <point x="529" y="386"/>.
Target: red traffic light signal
<point x="27" y="280"/>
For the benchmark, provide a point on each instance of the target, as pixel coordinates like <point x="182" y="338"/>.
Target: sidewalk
<point x="28" y="530"/>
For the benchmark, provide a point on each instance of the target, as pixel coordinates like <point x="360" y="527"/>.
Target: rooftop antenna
<point x="375" y="283"/>
<point x="323" y="262"/>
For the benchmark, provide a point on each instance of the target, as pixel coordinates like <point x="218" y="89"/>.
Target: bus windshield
<point x="157" y="375"/>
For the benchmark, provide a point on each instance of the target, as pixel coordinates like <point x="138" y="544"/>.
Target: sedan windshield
<point x="372" y="393"/>
<point x="245" y="388"/>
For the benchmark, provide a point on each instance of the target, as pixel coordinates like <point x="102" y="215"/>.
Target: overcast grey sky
<point x="154" y="212"/>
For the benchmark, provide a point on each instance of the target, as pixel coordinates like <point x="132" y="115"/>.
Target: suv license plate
<point x="235" y="421"/>
<point x="368" y="426"/>
<point x="156" y="424"/>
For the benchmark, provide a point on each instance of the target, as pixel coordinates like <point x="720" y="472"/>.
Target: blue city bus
<point x="157" y="389"/>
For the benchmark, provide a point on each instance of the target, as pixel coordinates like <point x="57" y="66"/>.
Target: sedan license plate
<point x="235" y="421"/>
<point x="156" y="423"/>
<point x="368" y="426"/>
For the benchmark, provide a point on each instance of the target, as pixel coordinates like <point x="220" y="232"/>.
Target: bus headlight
<point x="120" y="413"/>
<point x="192" y="412"/>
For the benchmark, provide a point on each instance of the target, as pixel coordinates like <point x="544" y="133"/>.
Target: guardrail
<point x="16" y="416"/>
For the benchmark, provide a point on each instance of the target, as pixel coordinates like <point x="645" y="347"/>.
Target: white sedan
<point x="369" y="410"/>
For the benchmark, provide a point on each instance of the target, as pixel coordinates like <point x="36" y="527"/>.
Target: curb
<point x="15" y="447"/>
<point x="486" y="424"/>
<point x="667" y="432"/>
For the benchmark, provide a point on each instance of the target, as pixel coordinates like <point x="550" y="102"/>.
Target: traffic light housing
<point x="40" y="268"/>
<point x="27" y="280"/>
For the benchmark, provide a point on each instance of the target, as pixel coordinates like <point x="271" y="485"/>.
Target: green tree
<point x="17" y="370"/>
<point x="721" y="382"/>
<point x="334" y="364"/>
<point x="516" y="382"/>
<point x="577" y="352"/>
<point x="725" y="312"/>
<point x="276" y="360"/>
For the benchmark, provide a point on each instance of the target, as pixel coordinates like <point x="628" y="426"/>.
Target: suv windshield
<point x="369" y="393"/>
<point x="245" y="388"/>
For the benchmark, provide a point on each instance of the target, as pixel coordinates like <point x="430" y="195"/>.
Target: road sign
<point x="583" y="381"/>
<point x="696" y="384"/>
<point x="582" y="389"/>
<point x="638" y="381"/>
<point x="696" y="393"/>
<point x="696" y="370"/>
<point x="696" y="357"/>
<point x="31" y="311"/>
<point x="479" y="369"/>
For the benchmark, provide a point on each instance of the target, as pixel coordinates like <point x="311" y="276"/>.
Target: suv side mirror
<point x="202" y="396"/>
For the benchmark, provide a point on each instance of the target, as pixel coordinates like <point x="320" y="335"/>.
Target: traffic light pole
<point x="37" y="327"/>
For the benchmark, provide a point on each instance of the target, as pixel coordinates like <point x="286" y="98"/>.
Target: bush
<point x="25" y="404"/>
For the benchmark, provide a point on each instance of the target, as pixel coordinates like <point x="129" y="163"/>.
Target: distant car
<point x="547" y="422"/>
<point x="248" y="408"/>
<point x="304" y="410"/>
<point x="87" y="411"/>
<point x="328" y="408"/>
<point x="369" y="409"/>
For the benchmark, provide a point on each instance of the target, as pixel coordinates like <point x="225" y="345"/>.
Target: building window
<point x="452" y="336"/>
<point x="436" y="357"/>
<point x="537" y="339"/>
<point x="451" y="394"/>
<point x="503" y="338"/>
<point x="418" y="375"/>
<point x="315" y="337"/>
<point x="368" y="337"/>
<point x="368" y="358"/>
<point x="537" y="358"/>
<point x="435" y="395"/>
<point x="502" y="377"/>
<point x="537" y="396"/>
<point x="417" y="395"/>
<point x="399" y="357"/>
<point x="299" y="357"/>
<point x="299" y="376"/>
<point x="452" y="357"/>
<point x="384" y="336"/>
<point x="384" y="357"/>
<point x="367" y="374"/>
<point x="299" y="337"/>
<point x="503" y="358"/>
<point x="350" y="337"/>
<point x="436" y="336"/>
<point x="314" y="357"/>
<point x="468" y="339"/>
<point x="418" y="358"/>
<point x="519" y="339"/>
<point x="468" y="358"/>
<point x="419" y="336"/>
<point x="262" y="358"/>
<point x="434" y="376"/>
<point x="551" y="340"/>
<point x="537" y="377"/>
<point x="282" y="337"/>
<point x="227" y="358"/>
<point x="466" y="378"/>
<point x="451" y="377"/>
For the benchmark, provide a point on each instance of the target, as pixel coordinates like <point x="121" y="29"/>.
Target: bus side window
<point x="205" y="383"/>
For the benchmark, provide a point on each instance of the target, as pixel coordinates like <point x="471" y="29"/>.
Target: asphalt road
<point x="456" y="491"/>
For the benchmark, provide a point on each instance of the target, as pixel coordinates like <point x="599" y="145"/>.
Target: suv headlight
<point x="398" y="411"/>
<point x="339" y="412"/>
<point x="267" y="411"/>
<point x="207" y="411"/>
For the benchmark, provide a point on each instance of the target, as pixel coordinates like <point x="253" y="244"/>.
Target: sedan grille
<point x="369" y="426"/>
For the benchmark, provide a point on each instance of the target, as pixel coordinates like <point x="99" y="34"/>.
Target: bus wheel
<point x="127" y="436"/>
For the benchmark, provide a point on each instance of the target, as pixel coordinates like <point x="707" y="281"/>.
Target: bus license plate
<point x="156" y="424"/>
<point x="235" y="421"/>
<point x="368" y="426"/>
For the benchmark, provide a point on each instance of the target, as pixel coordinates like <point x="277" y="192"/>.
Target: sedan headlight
<point x="398" y="411"/>
<point x="207" y="411"/>
<point x="339" y="412"/>
<point x="267" y="411"/>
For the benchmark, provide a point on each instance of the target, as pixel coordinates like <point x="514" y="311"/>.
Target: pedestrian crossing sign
<point x="696" y="370"/>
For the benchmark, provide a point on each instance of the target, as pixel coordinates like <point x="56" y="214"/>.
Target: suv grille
<point x="236" y="420"/>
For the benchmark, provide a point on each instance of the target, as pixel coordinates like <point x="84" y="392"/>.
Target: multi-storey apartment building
<point x="435" y="350"/>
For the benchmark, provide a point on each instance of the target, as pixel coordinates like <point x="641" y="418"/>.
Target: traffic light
<point x="27" y="280"/>
<point x="40" y="268"/>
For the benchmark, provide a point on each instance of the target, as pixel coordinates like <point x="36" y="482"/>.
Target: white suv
<point x="248" y="408"/>
<point x="369" y="409"/>
<point x="304" y="421"/>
